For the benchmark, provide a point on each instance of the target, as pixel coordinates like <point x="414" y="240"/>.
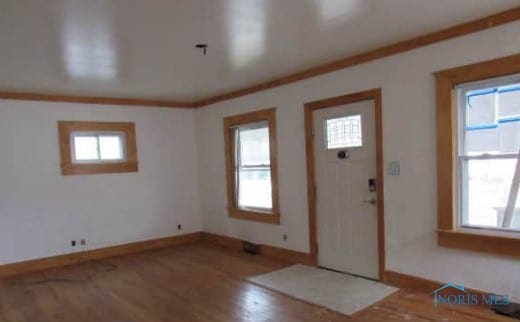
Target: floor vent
<point x="250" y="248"/>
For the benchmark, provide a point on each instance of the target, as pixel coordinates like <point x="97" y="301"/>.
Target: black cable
<point x="108" y="268"/>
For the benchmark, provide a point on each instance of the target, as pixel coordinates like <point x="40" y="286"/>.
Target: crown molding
<point x="30" y="96"/>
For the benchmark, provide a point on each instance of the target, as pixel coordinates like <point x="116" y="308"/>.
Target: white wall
<point x="409" y="137"/>
<point x="41" y="210"/>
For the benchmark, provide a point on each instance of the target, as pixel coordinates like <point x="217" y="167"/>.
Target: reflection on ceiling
<point x="88" y="46"/>
<point x="247" y="23"/>
<point x="145" y="49"/>
<point x="335" y="9"/>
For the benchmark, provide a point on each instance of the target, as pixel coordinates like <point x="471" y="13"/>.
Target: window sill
<point x="255" y="216"/>
<point x="76" y="169"/>
<point x="498" y="245"/>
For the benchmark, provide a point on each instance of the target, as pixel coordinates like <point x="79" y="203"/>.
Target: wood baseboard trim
<point x="286" y="255"/>
<point x="96" y="254"/>
<point x="419" y="284"/>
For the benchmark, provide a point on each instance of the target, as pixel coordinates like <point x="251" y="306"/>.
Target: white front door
<point x="345" y="160"/>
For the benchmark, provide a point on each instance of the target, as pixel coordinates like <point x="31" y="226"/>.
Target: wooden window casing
<point x="69" y="167"/>
<point x="449" y="232"/>
<point x="231" y="122"/>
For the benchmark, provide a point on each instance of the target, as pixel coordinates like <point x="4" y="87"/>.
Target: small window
<point x="489" y="143"/>
<point x="251" y="167"/>
<point x="343" y="132"/>
<point x="97" y="147"/>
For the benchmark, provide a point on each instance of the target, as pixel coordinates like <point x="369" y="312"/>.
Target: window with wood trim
<point x="97" y="147"/>
<point x="488" y="153"/>
<point x="251" y="169"/>
<point x="478" y="156"/>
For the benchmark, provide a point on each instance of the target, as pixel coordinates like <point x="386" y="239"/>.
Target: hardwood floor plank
<point x="190" y="283"/>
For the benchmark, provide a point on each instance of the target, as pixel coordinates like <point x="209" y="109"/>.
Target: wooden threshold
<point x="96" y="254"/>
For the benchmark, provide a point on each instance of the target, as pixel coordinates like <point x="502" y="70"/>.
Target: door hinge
<point x="317" y="249"/>
<point x="312" y="131"/>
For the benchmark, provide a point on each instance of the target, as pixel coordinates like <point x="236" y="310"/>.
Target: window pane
<point x="481" y="107"/>
<point x="254" y="188"/>
<point x="344" y="132"/>
<point x="502" y="138"/>
<point x="254" y="146"/>
<point x="488" y="186"/>
<point x="510" y="137"/>
<point x="111" y="147"/>
<point x="509" y="101"/>
<point x="484" y="140"/>
<point x="493" y="120"/>
<point x="85" y="148"/>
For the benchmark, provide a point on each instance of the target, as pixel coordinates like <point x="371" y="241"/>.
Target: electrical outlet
<point x="179" y="227"/>
<point x="83" y="242"/>
<point x="73" y="243"/>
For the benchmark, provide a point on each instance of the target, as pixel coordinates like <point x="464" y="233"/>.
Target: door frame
<point x="372" y="94"/>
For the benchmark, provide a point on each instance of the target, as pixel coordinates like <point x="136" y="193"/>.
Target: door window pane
<point x="343" y="132"/>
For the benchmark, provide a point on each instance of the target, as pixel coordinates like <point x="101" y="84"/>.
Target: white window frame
<point x="97" y="135"/>
<point x="462" y="157"/>
<point x="239" y="167"/>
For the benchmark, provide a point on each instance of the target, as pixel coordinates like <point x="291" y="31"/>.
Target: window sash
<point x="237" y="192"/>
<point x="97" y="136"/>
<point x="461" y="91"/>
<point x="464" y="157"/>
<point x="238" y="167"/>
<point x="463" y="162"/>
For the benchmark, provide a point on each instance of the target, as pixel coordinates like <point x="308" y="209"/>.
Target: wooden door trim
<point x="309" y="108"/>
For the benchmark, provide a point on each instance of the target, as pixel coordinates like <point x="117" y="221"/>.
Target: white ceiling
<point x="145" y="48"/>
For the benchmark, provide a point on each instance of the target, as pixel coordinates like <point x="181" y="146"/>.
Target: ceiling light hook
<point x="204" y="48"/>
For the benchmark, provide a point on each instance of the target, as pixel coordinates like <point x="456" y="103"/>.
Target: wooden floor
<point x="199" y="282"/>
